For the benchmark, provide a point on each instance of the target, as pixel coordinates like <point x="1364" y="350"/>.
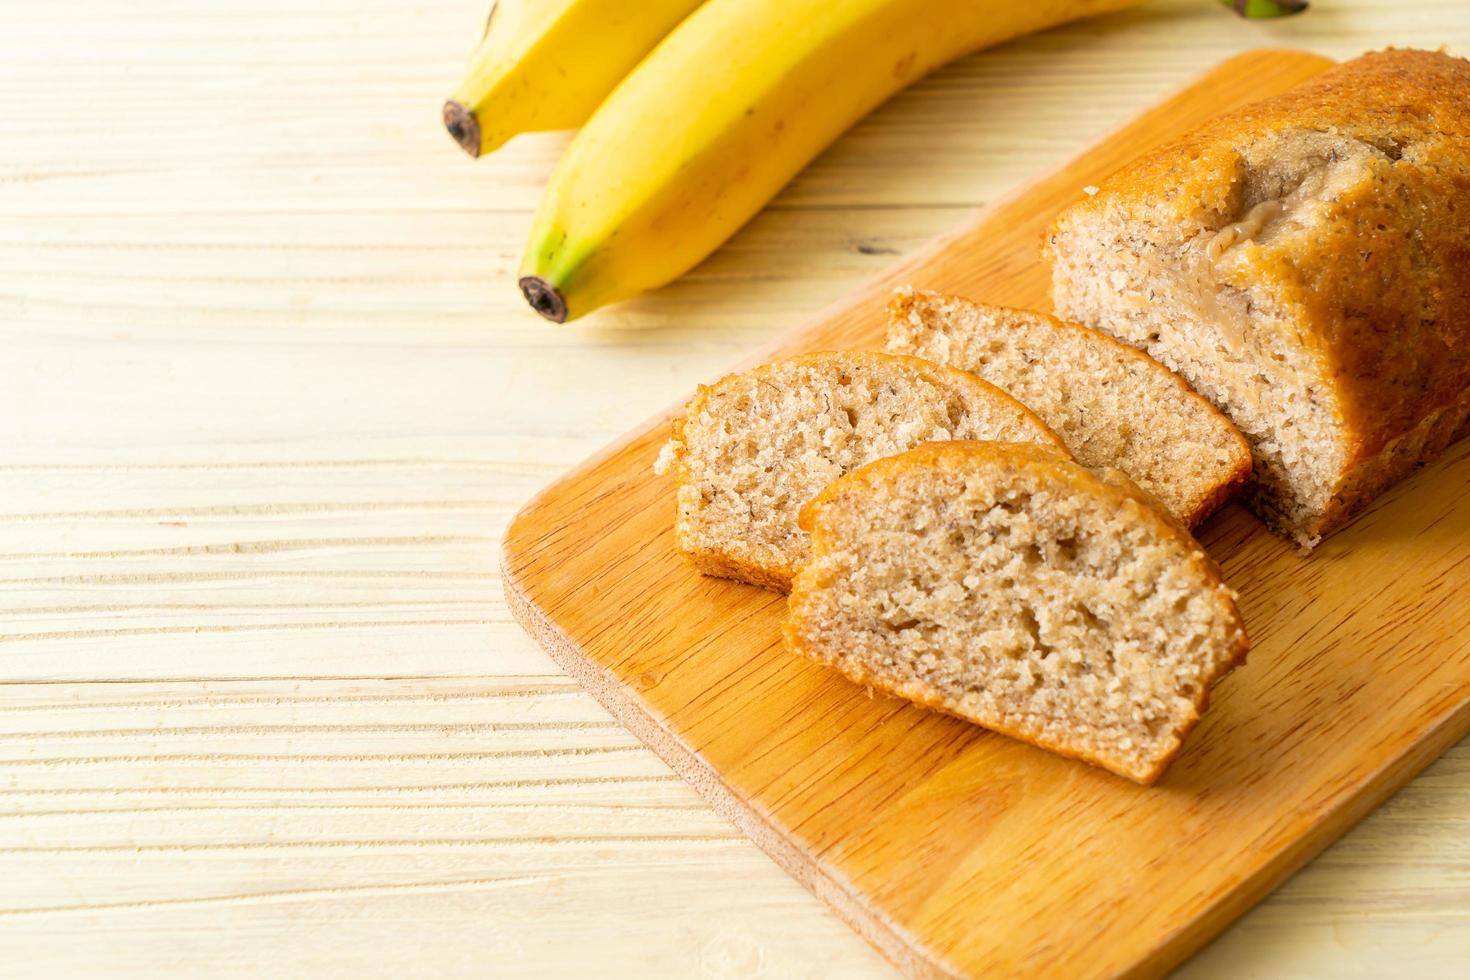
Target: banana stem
<point x="463" y="126"/>
<point x="1257" y="9"/>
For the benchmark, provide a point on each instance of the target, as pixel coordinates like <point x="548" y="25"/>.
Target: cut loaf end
<point x="1012" y="587"/>
<point x="756" y="446"/>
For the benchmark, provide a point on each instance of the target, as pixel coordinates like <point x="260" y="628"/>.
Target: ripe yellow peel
<point x="547" y="64"/>
<point x="723" y="113"/>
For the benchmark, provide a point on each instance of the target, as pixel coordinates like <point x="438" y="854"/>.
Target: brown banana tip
<point x="463" y="126"/>
<point x="544" y="298"/>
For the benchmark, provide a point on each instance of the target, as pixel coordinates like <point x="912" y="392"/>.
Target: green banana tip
<point x="544" y="298"/>
<point x="1260" y="9"/>
<point x="463" y="126"/>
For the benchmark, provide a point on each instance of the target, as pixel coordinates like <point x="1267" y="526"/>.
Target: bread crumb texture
<point x="1112" y="404"/>
<point x="1305" y="264"/>
<point x="753" y="448"/>
<point x="1015" y="588"/>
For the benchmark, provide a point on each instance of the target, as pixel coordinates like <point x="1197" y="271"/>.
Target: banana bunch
<point x="720" y="109"/>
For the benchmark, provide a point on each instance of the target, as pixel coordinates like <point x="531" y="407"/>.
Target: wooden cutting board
<point x="959" y="852"/>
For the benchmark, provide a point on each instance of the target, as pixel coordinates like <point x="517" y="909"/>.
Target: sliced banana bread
<point x="1112" y="405"/>
<point x="1304" y="262"/>
<point x="1015" y="588"/>
<point x="755" y="447"/>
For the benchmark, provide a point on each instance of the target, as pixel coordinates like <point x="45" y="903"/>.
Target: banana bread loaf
<point x="1305" y="263"/>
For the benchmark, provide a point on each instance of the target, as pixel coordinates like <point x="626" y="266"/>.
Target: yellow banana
<point x="546" y="64"/>
<point x="736" y="100"/>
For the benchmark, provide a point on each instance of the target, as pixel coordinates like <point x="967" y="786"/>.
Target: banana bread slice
<point x="1304" y="262"/>
<point x="1112" y="405"/>
<point x="1015" y="588"/>
<point x="756" y="446"/>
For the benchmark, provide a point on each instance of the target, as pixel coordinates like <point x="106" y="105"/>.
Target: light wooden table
<point x="268" y="398"/>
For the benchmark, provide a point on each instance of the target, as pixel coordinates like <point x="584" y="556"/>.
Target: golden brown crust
<point x="954" y="376"/>
<point x="906" y="301"/>
<point x="1382" y="295"/>
<point x="958" y="452"/>
<point x="717" y="565"/>
<point x="778" y="578"/>
<point x="961" y="454"/>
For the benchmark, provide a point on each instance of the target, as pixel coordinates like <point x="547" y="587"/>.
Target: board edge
<point x="1357" y="803"/>
<point x="905" y="952"/>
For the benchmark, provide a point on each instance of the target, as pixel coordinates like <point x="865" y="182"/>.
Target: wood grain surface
<point x="269" y="401"/>
<point x="957" y="852"/>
